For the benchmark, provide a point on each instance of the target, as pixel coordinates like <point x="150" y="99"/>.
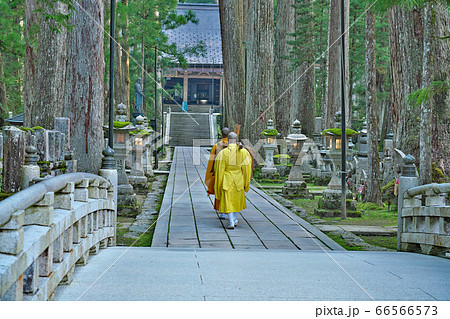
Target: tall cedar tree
<point x="84" y="90"/>
<point x="46" y="100"/>
<point x="333" y="88"/>
<point x="284" y="74"/>
<point x="12" y="54"/>
<point x="231" y="14"/>
<point x="435" y="111"/>
<point x="259" y="82"/>
<point x="30" y="35"/>
<point x="417" y="52"/>
<point x="373" y="178"/>
<point x="304" y="63"/>
<point x="406" y="47"/>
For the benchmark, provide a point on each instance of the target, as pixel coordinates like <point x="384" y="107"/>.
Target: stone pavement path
<point x="187" y="218"/>
<point x="190" y="259"/>
<point x="129" y="273"/>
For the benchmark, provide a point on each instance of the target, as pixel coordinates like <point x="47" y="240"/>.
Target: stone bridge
<point x="273" y="254"/>
<point x="48" y="228"/>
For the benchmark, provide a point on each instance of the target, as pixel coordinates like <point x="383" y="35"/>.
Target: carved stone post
<point x="109" y="173"/>
<point x="11" y="234"/>
<point x="13" y="156"/>
<point x="408" y="179"/>
<point x="30" y="169"/>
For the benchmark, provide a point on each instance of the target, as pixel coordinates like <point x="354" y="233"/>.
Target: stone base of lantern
<point x="138" y="182"/>
<point x="269" y="173"/>
<point x="330" y="204"/>
<point x="134" y="115"/>
<point x="126" y="205"/>
<point x="126" y="200"/>
<point x="296" y="189"/>
<point x="125" y="189"/>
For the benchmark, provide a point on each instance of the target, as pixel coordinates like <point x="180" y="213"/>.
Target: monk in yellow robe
<point x="209" y="176"/>
<point x="233" y="169"/>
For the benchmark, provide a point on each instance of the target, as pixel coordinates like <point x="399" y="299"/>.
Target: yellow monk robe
<point x="209" y="176"/>
<point x="233" y="168"/>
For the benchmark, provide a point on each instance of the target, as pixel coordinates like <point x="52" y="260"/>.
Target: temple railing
<point x="426" y="219"/>
<point x="48" y="228"/>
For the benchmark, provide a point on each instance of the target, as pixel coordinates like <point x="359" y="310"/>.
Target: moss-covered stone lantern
<point x="270" y="145"/>
<point x="295" y="186"/>
<point x="330" y="203"/>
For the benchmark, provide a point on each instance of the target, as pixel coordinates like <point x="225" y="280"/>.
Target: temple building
<point x="201" y="84"/>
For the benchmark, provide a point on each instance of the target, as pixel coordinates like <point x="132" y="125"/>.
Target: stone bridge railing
<point x="426" y="219"/>
<point x="48" y="228"/>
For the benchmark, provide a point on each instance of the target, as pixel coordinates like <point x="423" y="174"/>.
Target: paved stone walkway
<point x="123" y="273"/>
<point x="187" y="218"/>
<point x="277" y="256"/>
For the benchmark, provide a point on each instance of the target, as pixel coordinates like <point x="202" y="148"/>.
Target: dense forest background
<point x="396" y="76"/>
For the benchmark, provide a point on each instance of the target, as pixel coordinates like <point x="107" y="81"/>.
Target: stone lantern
<point x="122" y="149"/>
<point x="334" y="154"/>
<point x="270" y="145"/>
<point x="295" y="185"/>
<point x="330" y="203"/>
<point x="122" y="155"/>
<point x="142" y="145"/>
<point x="362" y="146"/>
<point x="387" y="164"/>
<point x="136" y="176"/>
<point x="140" y="125"/>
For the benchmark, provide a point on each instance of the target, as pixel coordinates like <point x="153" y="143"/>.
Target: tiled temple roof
<point x="207" y="30"/>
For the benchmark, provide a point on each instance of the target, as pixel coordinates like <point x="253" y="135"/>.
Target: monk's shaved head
<point x="225" y="132"/>
<point x="232" y="137"/>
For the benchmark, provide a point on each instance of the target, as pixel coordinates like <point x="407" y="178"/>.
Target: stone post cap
<point x="409" y="169"/>
<point x="409" y="159"/>
<point x="30" y="157"/>
<point x="108" y="161"/>
<point x="121" y="108"/>
<point x="139" y="120"/>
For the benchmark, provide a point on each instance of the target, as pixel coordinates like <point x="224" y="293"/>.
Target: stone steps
<point x="192" y="108"/>
<point x="185" y="127"/>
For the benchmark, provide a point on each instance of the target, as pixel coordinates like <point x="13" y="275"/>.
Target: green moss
<point x="143" y="132"/>
<point x="437" y="175"/>
<point x="388" y="187"/>
<point x="267" y="132"/>
<point x="43" y="162"/>
<point x="272" y="181"/>
<point x="389" y="242"/>
<point x="338" y="132"/>
<point x="26" y="129"/>
<point x="387" y="192"/>
<point x="118" y="124"/>
<point x="37" y="128"/>
<point x="126" y="206"/>
<point x="379" y="217"/>
<point x="5" y="195"/>
<point x="281" y="156"/>
<point x="370" y="206"/>
<point x="338" y="239"/>
<point x="144" y="240"/>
